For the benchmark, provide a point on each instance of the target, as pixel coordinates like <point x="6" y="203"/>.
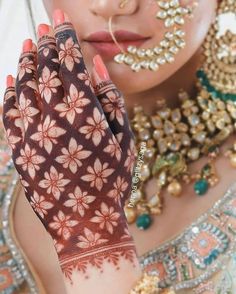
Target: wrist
<point x="100" y="238"/>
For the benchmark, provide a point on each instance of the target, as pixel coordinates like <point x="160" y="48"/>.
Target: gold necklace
<point x="170" y="140"/>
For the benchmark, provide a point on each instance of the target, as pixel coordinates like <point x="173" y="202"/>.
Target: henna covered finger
<point x="26" y="87"/>
<point x="73" y="68"/>
<point x="113" y="104"/>
<point x="48" y="70"/>
<point x="12" y="121"/>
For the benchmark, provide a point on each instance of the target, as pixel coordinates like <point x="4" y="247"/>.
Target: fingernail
<point x="43" y="29"/>
<point x="9" y="81"/>
<point x="101" y="68"/>
<point x="58" y="17"/>
<point x="27" y="45"/>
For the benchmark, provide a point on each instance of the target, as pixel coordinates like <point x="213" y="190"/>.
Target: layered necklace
<point x="168" y="141"/>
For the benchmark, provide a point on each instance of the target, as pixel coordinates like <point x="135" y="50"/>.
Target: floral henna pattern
<point x="113" y="104"/>
<point x="72" y="104"/>
<point x="48" y="84"/>
<point x="77" y="146"/>
<point x="79" y="201"/>
<point x="98" y="174"/>
<point x="90" y="239"/>
<point x="12" y="140"/>
<point x="69" y="53"/>
<point x="29" y="160"/>
<point x="71" y="157"/>
<point x="47" y="134"/>
<point x="26" y="65"/>
<point x="119" y="189"/>
<point x="54" y="182"/>
<point x="26" y="110"/>
<point x="85" y="77"/>
<point x="95" y="128"/>
<point x="40" y="205"/>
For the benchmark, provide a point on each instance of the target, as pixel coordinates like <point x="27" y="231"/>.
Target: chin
<point x="125" y="79"/>
<point x="130" y="82"/>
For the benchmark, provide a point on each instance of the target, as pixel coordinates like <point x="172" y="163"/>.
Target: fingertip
<point x="34" y="47"/>
<point x="101" y="68"/>
<point x="27" y="45"/>
<point x="58" y="17"/>
<point x="66" y="17"/>
<point x="9" y="81"/>
<point x="43" y="29"/>
<point x="10" y="88"/>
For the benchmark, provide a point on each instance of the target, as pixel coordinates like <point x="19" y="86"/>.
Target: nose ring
<point x="123" y="3"/>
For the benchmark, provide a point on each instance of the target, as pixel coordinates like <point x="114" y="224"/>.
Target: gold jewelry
<point x="174" y="138"/>
<point x="112" y="34"/>
<point x="148" y="284"/>
<point x="219" y="65"/>
<point x="123" y="3"/>
<point x="173" y="15"/>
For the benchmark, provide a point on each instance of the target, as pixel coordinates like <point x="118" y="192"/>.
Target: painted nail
<point x="27" y="45"/>
<point x="58" y="17"/>
<point x="9" y="81"/>
<point x="43" y="29"/>
<point x="101" y="68"/>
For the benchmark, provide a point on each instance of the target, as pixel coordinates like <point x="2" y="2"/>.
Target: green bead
<point x="144" y="221"/>
<point x="233" y="97"/>
<point x="201" y="187"/>
<point x="206" y="170"/>
<point x="174" y="158"/>
<point x="224" y="97"/>
<point x="200" y="74"/>
<point x="213" y="148"/>
<point x="212" y="90"/>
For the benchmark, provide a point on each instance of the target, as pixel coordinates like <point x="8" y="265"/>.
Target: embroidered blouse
<point x="202" y="259"/>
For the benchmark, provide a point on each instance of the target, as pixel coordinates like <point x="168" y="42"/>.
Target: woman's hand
<point x="73" y="149"/>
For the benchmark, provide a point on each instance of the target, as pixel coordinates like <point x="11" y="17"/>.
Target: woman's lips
<point x="104" y="44"/>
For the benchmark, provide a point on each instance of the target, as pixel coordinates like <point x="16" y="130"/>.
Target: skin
<point x="143" y="88"/>
<point x="91" y="16"/>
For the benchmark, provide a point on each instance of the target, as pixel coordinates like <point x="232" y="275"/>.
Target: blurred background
<point x="18" y="20"/>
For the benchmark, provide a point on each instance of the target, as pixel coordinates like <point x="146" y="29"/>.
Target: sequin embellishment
<point x="202" y="251"/>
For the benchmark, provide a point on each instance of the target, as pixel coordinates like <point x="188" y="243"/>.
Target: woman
<point x="200" y="258"/>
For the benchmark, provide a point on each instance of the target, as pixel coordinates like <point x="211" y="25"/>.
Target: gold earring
<point x="218" y="72"/>
<point x="173" y="15"/>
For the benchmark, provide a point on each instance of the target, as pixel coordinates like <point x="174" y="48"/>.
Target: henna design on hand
<point x="74" y="151"/>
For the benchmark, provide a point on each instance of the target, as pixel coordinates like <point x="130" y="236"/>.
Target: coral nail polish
<point x="43" y="29"/>
<point x="27" y="45"/>
<point x="58" y="17"/>
<point x="101" y="68"/>
<point x="9" y="81"/>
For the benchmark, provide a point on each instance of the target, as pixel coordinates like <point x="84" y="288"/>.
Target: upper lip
<point x="121" y="36"/>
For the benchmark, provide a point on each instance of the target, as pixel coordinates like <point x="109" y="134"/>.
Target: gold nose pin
<point x="123" y="3"/>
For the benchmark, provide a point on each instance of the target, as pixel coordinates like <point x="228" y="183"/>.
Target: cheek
<point x="196" y="30"/>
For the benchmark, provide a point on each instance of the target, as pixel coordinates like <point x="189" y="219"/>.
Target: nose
<point x="108" y="8"/>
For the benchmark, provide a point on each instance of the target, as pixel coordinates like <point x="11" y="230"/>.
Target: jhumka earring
<point x="218" y="73"/>
<point x="173" y="15"/>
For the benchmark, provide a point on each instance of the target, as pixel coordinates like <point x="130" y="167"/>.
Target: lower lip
<point x="110" y="49"/>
